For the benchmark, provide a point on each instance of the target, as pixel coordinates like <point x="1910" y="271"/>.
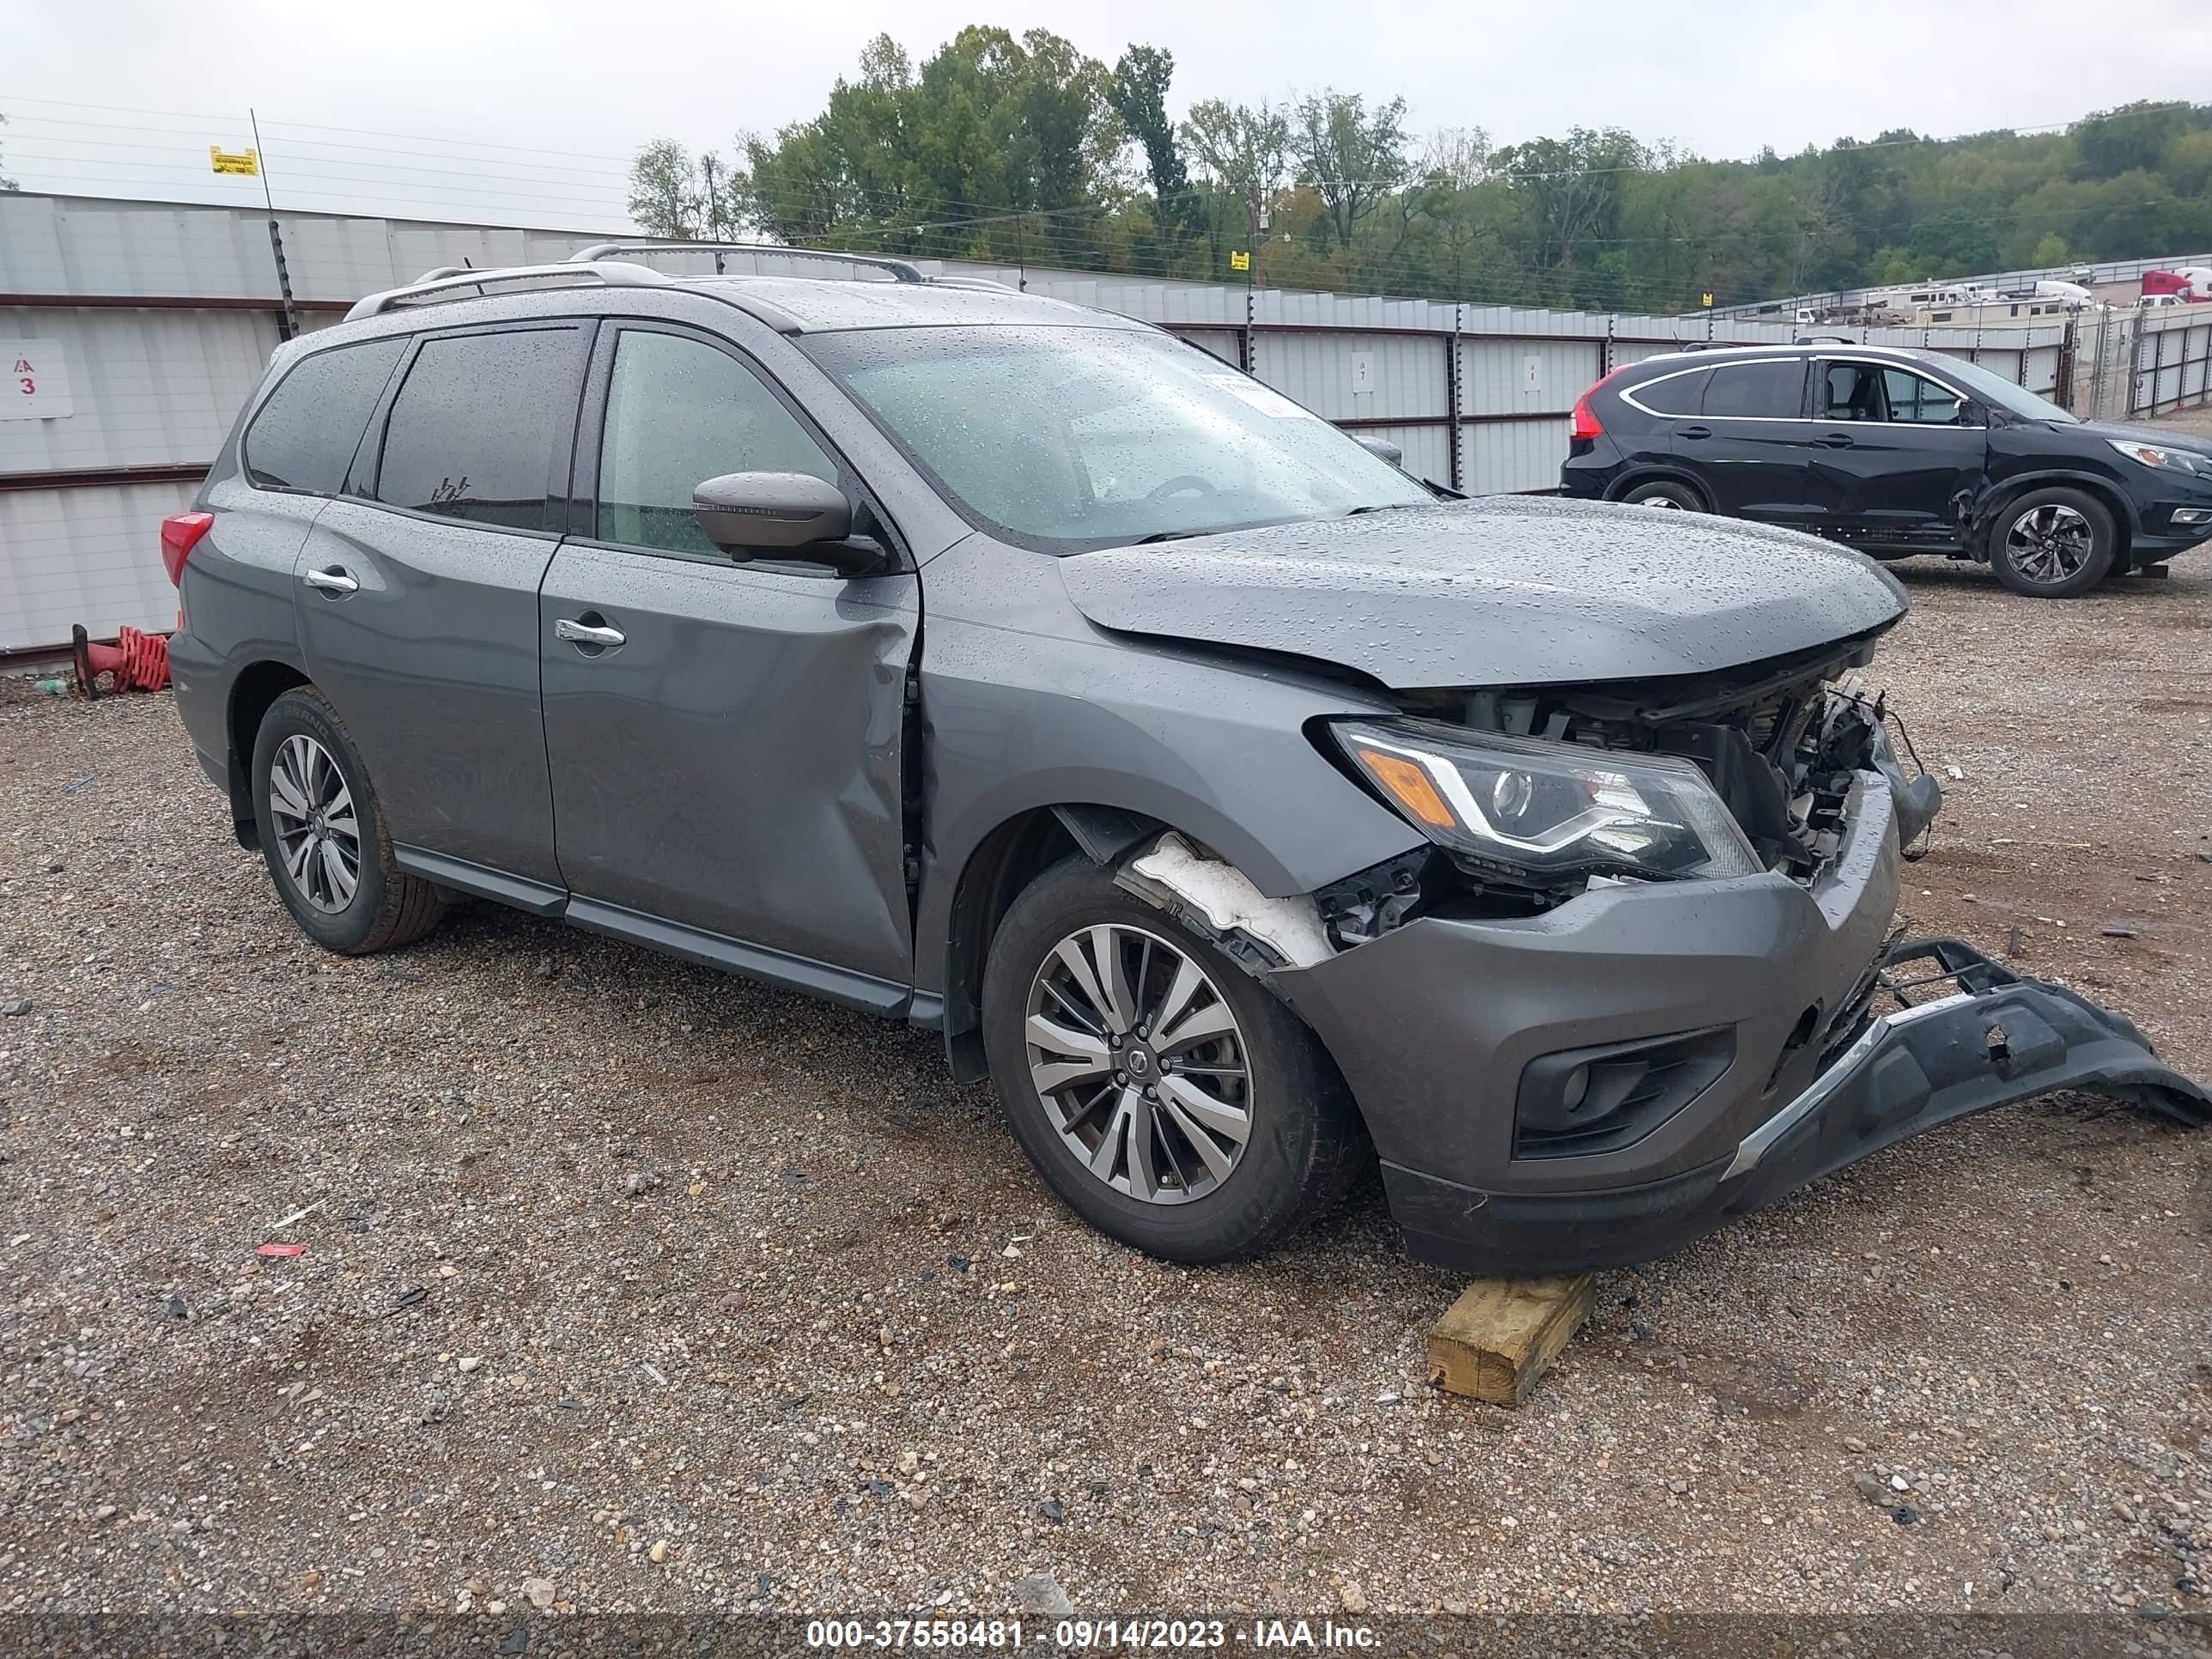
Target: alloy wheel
<point x="2048" y="544"/>
<point x="1139" y="1062"/>
<point x="1664" y="503"/>
<point x="317" y="833"/>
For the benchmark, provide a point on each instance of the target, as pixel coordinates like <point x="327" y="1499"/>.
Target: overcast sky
<point x="526" y="110"/>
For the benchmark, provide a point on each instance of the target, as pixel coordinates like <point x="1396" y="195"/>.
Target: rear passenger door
<point x="728" y="774"/>
<point x="417" y="597"/>
<point x="1746" y="442"/>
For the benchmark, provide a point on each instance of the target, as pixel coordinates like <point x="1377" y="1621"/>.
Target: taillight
<point x="180" y="534"/>
<point x="1586" y="424"/>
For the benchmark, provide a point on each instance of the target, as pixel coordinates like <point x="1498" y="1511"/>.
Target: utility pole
<point x="287" y="322"/>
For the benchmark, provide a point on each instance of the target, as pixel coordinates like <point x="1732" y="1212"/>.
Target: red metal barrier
<point x="140" y="662"/>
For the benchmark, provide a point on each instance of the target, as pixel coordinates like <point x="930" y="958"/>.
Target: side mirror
<point x="746" y="513"/>
<point x="1382" y="447"/>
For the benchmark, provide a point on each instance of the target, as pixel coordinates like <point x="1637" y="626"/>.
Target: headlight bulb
<point x="1511" y="795"/>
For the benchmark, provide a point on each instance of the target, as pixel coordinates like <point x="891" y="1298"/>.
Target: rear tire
<point x="323" y="834"/>
<point x="1285" y="1141"/>
<point x="2053" y="543"/>
<point x="1666" y="493"/>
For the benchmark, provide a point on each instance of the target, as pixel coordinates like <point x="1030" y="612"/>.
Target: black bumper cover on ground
<point x="1976" y="1036"/>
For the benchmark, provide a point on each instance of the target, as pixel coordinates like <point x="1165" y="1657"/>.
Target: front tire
<point x="1169" y="1099"/>
<point x="2053" y="543"/>
<point x="324" y="835"/>
<point x="1667" y="495"/>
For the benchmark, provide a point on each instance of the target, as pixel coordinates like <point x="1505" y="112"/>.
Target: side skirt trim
<point x="535" y="896"/>
<point x="839" y="985"/>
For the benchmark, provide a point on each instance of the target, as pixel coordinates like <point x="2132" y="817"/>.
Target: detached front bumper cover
<point x="1963" y="1034"/>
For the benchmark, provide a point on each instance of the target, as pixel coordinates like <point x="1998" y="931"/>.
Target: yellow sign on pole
<point x="1706" y="300"/>
<point x="1239" y="259"/>
<point x="243" y="162"/>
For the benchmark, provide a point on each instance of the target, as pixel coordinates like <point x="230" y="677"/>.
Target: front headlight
<point x="1549" y="808"/>
<point x="2169" y="461"/>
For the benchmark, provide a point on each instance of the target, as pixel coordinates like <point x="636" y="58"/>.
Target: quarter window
<point x="1673" y="394"/>
<point x="304" y="434"/>
<point x="471" y="432"/>
<point x="1763" y="391"/>
<point x="680" y="411"/>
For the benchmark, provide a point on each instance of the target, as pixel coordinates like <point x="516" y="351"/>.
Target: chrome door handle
<point x="333" y="580"/>
<point x="584" y="633"/>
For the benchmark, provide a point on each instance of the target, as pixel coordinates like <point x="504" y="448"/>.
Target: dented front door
<point x="733" y="764"/>
<point x="724" y="737"/>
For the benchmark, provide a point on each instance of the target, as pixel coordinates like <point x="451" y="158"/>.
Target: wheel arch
<point x="2001" y="496"/>
<point x="1655" y="473"/>
<point x="1000" y="867"/>
<point x="256" y="687"/>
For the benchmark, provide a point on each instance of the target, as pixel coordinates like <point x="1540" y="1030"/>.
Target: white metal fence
<point x="2171" y="347"/>
<point x="148" y="324"/>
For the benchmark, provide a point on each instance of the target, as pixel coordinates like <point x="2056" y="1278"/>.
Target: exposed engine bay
<point x="1781" y="741"/>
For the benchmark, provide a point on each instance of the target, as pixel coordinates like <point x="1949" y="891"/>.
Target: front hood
<point x="1499" y="591"/>
<point x="2159" y="436"/>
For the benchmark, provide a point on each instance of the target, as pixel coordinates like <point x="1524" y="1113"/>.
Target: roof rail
<point x="447" y="279"/>
<point x="902" y="270"/>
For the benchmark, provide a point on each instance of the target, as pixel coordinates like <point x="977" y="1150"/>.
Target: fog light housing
<point x="1599" y="1099"/>
<point x="2192" y="515"/>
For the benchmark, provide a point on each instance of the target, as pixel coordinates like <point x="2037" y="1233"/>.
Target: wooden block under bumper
<point x="1494" y="1342"/>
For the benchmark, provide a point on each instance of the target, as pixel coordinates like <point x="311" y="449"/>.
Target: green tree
<point x="1571" y="189"/>
<point x="1004" y="147"/>
<point x="2133" y="138"/>
<point x="996" y="147"/>
<point x="674" y="193"/>
<point x="1138" y="92"/>
<point x="1352" y="157"/>
<point x="1244" y="151"/>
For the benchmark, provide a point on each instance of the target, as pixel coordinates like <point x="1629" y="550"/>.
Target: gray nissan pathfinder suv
<point x="1233" y="800"/>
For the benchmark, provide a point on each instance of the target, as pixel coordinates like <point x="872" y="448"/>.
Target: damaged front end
<point x="1530" y="796"/>
<point x="1640" y="979"/>
<point x="1951" y="1033"/>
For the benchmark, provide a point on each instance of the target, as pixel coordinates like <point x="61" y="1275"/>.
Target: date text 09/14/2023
<point x="1087" y="1635"/>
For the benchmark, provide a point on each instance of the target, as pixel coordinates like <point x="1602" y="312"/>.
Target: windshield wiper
<point x="1381" y="507"/>
<point x="1170" y="536"/>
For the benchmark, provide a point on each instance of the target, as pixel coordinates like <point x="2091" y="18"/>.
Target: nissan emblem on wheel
<point x="1895" y="451"/>
<point x="1246" y="809"/>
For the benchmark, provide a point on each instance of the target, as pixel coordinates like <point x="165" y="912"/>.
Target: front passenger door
<point x="1900" y="457"/>
<point x="729" y="767"/>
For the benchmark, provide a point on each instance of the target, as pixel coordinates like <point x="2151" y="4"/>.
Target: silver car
<point x="1243" y="807"/>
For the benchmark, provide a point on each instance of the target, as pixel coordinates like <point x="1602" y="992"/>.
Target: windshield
<point x="1993" y="389"/>
<point x="1067" y="439"/>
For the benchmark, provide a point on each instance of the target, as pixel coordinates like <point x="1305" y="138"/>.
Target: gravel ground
<point x="629" y="1286"/>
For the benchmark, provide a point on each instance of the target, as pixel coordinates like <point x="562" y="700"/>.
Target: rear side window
<point x="304" y="437"/>
<point x="1768" y="391"/>
<point x="471" y="432"/>
<point x="1673" y="394"/>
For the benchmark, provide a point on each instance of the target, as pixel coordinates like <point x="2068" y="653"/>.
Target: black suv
<point x="1894" y="452"/>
